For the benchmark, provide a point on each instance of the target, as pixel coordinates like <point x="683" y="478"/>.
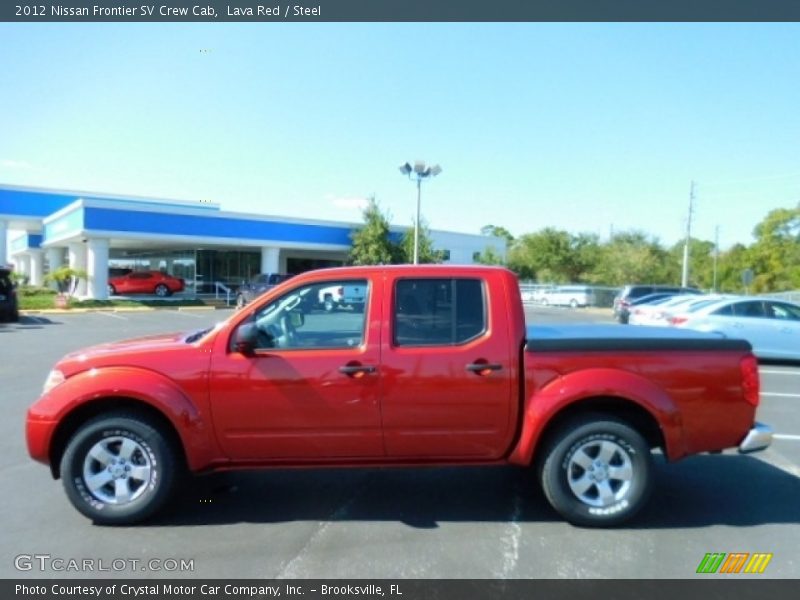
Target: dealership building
<point x="211" y="249"/>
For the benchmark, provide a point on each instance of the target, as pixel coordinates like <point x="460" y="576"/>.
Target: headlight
<point x="54" y="378"/>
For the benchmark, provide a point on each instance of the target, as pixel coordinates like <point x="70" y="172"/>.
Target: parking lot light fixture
<point x="422" y="171"/>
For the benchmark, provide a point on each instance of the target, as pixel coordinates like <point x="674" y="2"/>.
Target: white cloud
<point x="348" y="202"/>
<point x="17" y="165"/>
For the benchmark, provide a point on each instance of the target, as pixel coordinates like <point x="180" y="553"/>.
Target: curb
<point x="113" y="309"/>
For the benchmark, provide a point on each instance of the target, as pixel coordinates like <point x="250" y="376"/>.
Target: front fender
<point x="568" y="390"/>
<point x="135" y="383"/>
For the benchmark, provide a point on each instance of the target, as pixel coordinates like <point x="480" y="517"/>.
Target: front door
<point x="310" y="390"/>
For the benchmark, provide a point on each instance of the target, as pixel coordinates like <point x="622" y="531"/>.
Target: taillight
<point x="750" y="379"/>
<point x="675" y="321"/>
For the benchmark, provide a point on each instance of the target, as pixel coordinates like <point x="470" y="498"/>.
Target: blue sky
<point x="585" y="127"/>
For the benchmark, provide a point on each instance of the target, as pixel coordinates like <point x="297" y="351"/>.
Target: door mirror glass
<point x="246" y="338"/>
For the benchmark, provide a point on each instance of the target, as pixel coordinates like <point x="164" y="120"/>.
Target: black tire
<point x="623" y="450"/>
<point x="104" y="436"/>
<point x="162" y="291"/>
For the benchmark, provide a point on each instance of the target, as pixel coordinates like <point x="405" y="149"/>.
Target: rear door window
<point x="438" y="312"/>
<point x="753" y="309"/>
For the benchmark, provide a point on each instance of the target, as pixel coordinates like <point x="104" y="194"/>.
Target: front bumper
<point x="758" y="438"/>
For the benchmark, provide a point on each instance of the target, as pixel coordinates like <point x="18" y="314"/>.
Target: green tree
<point x="701" y="263"/>
<point x="730" y="266"/>
<point x="554" y="255"/>
<point x="489" y="256"/>
<point x="775" y="255"/>
<point x="427" y="253"/>
<point x="372" y="243"/>
<point x="498" y="231"/>
<point x="633" y="257"/>
<point x="66" y="279"/>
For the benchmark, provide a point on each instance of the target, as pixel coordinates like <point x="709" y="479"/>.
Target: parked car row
<point x="259" y="284"/>
<point x="771" y="326"/>
<point x="642" y="294"/>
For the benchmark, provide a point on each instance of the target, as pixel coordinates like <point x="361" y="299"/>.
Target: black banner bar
<point x="702" y="588"/>
<point x="267" y="11"/>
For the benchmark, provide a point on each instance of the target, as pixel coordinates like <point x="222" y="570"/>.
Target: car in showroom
<point x="771" y="326"/>
<point x="9" y="309"/>
<point x="145" y="282"/>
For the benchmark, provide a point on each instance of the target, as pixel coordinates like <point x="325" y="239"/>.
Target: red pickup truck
<point x="438" y="369"/>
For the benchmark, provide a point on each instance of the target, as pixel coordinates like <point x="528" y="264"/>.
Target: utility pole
<point x="685" y="273"/>
<point x="716" y="256"/>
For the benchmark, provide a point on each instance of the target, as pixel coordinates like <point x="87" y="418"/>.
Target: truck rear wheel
<point x="597" y="471"/>
<point x="118" y="469"/>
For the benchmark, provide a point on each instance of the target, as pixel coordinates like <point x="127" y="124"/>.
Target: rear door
<point x="784" y="341"/>
<point x="447" y="375"/>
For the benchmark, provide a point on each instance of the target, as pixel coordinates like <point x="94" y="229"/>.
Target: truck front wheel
<point x="597" y="471"/>
<point x="118" y="469"/>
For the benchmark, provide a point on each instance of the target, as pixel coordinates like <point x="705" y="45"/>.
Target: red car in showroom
<point x="145" y="282"/>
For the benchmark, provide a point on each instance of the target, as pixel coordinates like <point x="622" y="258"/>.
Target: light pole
<point x="422" y="171"/>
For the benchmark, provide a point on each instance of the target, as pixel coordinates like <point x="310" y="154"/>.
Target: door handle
<point x="357" y="370"/>
<point x="483" y="368"/>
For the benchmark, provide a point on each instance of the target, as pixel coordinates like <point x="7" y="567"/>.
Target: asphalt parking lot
<point x="385" y="523"/>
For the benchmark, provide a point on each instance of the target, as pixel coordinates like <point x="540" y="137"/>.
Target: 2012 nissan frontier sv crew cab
<point x="438" y="369"/>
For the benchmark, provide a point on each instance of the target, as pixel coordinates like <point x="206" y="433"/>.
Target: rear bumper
<point x="758" y="438"/>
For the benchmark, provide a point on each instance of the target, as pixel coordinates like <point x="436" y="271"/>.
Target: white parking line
<point x="779" y="395"/>
<point x="112" y="315"/>
<point x="186" y="313"/>
<point x="786" y="436"/>
<point x="795" y="372"/>
<point x="776" y="459"/>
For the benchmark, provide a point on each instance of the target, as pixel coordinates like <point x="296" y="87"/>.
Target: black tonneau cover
<point x="594" y="338"/>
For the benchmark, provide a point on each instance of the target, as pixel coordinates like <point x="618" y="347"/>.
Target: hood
<point x="124" y="351"/>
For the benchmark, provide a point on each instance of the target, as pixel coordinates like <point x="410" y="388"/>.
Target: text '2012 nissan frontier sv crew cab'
<point x="437" y="369"/>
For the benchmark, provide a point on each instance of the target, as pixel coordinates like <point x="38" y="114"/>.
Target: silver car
<point x="771" y="326"/>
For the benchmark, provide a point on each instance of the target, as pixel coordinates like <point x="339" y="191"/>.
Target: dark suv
<point x="630" y="293"/>
<point x="257" y="286"/>
<point x="9" y="311"/>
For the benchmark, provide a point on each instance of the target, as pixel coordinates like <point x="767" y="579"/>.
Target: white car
<point x="771" y="326"/>
<point x="656" y="315"/>
<point x="568" y="295"/>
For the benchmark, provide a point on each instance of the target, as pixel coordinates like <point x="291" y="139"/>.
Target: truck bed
<point x="594" y="338"/>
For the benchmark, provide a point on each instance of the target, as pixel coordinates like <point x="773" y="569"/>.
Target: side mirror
<point x="245" y="338"/>
<point x="296" y="318"/>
